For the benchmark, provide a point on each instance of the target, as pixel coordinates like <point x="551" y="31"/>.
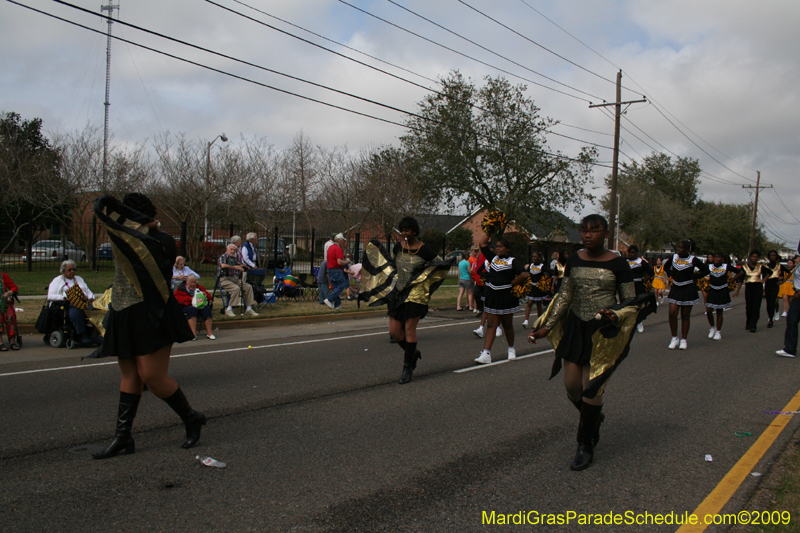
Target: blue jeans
<point x="324" y="291"/>
<point x="339" y="282"/>
<point x="792" y="320"/>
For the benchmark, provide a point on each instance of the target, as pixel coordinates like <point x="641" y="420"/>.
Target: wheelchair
<point x="58" y="329"/>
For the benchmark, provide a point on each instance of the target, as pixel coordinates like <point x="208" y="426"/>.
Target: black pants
<point x="753" y="293"/>
<point x="771" y="289"/>
<point x="792" y="320"/>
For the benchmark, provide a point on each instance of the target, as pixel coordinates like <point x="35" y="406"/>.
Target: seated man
<point x="249" y="256"/>
<point x="231" y="275"/>
<point x="57" y="292"/>
<point x="185" y="294"/>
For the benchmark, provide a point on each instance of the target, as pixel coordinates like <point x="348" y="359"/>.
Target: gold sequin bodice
<point x="586" y="291"/>
<point x="752" y="275"/>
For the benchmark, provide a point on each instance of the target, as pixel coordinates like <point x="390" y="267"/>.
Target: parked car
<point x="55" y="250"/>
<point x="456" y="254"/>
<point x="104" y="252"/>
<point x="266" y="248"/>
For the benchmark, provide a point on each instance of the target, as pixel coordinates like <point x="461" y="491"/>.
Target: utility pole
<point x="757" y="187"/>
<point x="110" y="8"/>
<point x="612" y="211"/>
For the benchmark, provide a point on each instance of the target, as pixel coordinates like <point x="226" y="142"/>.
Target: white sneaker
<point x="640" y="327"/>
<point x="512" y="353"/>
<point x="485" y="358"/>
<point x="525" y="325"/>
<point x="498" y="332"/>
<point x="211" y="337"/>
<point x="777" y="317"/>
<point x="230" y="312"/>
<point x="784" y="353"/>
<point x="328" y="303"/>
<point x="683" y="345"/>
<point x="717" y="336"/>
<point x="712" y="332"/>
<point x="478" y="332"/>
<point x="783" y="314"/>
<point x="250" y="312"/>
<point x="674" y="343"/>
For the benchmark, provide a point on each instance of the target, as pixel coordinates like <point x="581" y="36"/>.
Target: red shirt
<point x="184" y="298"/>
<point x="334" y="253"/>
<point x="8" y="285"/>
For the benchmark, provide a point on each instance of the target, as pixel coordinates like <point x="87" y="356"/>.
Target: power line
<point x="461" y="53"/>
<point x="213" y="69"/>
<point x="489" y="50"/>
<point x="335" y="42"/>
<point x="384" y="72"/>
<point x="515" y="32"/>
<point x="778" y="196"/>
<point x="649" y="98"/>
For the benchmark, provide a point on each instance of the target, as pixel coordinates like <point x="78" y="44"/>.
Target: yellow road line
<point x="715" y="501"/>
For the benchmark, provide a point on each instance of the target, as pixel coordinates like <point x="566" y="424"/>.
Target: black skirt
<point x="132" y="331"/>
<point x="684" y="295"/>
<point x="408" y="310"/>
<point x="537" y="295"/>
<point x="576" y="343"/>
<point x="719" y="299"/>
<point x="500" y="302"/>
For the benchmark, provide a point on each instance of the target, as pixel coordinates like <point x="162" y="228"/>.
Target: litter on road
<point x="208" y="461"/>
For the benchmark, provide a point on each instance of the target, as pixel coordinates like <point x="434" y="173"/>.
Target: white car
<point x="55" y="250"/>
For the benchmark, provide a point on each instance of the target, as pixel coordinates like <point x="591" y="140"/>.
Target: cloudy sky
<point x="721" y="76"/>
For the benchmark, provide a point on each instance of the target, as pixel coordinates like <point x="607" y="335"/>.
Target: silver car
<point x="54" y="250"/>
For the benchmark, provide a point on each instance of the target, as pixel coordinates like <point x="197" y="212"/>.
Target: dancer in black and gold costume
<point x="144" y="319"/>
<point x="754" y="276"/>
<point x="404" y="280"/>
<point x="590" y="332"/>
<point x="772" y="285"/>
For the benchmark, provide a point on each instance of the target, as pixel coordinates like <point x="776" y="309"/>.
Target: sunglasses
<point x="69" y="270"/>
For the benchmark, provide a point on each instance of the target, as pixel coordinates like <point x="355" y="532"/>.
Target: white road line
<point x="228" y="350"/>
<point x="500" y="362"/>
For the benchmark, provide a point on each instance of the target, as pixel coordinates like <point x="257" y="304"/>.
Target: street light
<point x="224" y="139"/>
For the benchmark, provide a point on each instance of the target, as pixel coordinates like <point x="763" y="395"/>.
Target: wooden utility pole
<point x="757" y="187"/>
<point x="613" y="226"/>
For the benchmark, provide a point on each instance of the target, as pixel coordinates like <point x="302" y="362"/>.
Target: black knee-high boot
<point x="128" y="404"/>
<point x="193" y="420"/>
<point x="596" y="437"/>
<point x="409" y="361"/>
<point x="590" y="414"/>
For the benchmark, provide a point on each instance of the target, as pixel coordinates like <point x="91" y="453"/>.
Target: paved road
<point x="319" y="437"/>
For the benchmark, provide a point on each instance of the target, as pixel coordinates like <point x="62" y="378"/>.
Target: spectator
<point x="336" y="264"/>
<point x="322" y="281"/>
<point x="793" y="317"/>
<point x="8" y="316"/>
<point x="57" y="292"/>
<point x="185" y="296"/>
<point x="180" y="272"/>
<point x="250" y="251"/>
<point x="231" y="279"/>
<point x="465" y="283"/>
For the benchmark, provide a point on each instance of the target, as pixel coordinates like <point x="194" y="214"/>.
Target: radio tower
<point x="110" y="8"/>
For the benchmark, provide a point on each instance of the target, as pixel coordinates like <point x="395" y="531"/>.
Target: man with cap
<point x="336" y="262"/>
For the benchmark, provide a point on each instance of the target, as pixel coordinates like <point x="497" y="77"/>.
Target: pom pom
<point x="494" y="222"/>
<point x="732" y="284"/>
<point x="545" y="283"/>
<point x="521" y="290"/>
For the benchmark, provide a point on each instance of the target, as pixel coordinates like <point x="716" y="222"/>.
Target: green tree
<point x="656" y="200"/>
<point x="460" y="239"/>
<point x="34" y="193"/>
<point x="434" y="238"/>
<point x="720" y="227"/>
<point x="486" y="147"/>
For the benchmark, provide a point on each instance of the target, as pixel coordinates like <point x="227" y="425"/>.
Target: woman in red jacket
<point x="8" y="317"/>
<point x="184" y="294"/>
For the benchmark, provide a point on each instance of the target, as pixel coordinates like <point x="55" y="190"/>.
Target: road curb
<point x="26" y="329"/>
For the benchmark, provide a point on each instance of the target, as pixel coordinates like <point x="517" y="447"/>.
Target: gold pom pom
<point x="522" y="290"/>
<point x="545" y="283"/>
<point x="732" y="284"/>
<point x="494" y="222"/>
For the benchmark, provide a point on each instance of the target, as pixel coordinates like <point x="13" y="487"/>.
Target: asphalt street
<point x="319" y="437"/>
